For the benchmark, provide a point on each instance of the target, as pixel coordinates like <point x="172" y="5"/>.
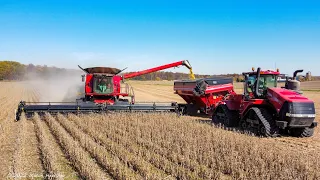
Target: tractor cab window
<point x="102" y="85"/>
<point x="265" y="81"/>
<point x="268" y="81"/>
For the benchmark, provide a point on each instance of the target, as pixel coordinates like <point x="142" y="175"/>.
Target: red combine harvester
<point x="104" y="90"/>
<point x="263" y="108"/>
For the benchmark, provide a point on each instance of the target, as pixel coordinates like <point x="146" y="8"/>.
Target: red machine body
<point x="104" y="91"/>
<point x="263" y="108"/>
<point x="214" y="91"/>
<point x="114" y="85"/>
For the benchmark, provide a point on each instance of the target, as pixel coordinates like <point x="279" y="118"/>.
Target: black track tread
<point x="303" y="132"/>
<point x="231" y="115"/>
<point x="267" y="121"/>
<point x="191" y="110"/>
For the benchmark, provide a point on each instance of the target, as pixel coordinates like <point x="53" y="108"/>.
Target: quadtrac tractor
<point x="104" y="90"/>
<point x="263" y="108"/>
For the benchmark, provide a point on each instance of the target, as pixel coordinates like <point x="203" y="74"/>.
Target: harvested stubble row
<point x="79" y="157"/>
<point x="226" y="153"/>
<point x="18" y="166"/>
<point x="170" y="162"/>
<point x="9" y="132"/>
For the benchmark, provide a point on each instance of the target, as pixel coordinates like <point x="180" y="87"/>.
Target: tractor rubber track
<point x="267" y="122"/>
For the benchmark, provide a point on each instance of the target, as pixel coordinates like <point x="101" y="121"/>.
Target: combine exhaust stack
<point x="88" y="107"/>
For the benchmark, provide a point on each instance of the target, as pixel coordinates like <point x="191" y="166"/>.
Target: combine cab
<point x="104" y="90"/>
<point x="263" y="108"/>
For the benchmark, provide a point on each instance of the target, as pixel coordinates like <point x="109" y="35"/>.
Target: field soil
<point x="145" y="146"/>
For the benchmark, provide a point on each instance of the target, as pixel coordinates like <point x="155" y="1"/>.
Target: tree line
<point x="12" y="70"/>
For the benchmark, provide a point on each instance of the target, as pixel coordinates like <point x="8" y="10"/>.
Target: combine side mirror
<point x="83" y="78"/>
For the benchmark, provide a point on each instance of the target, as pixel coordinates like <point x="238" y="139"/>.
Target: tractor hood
<point x="293" y="108"/>
<point x="281" y="94"/>
<point x="280" y="97"/>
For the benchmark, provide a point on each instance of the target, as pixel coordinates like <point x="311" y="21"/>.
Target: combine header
<point x="104" y="90"/>
<point x="263" y="108"/>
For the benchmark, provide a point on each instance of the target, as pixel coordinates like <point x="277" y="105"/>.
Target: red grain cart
<point x="202" y="95"/>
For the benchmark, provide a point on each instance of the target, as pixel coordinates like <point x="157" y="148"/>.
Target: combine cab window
<point x="103" y="85"/>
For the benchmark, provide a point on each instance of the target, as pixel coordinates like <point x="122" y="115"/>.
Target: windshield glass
<point x="265" y="81"/>
<point x="102" y="85"/>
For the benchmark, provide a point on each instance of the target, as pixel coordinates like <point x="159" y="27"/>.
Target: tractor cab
<point x="257" y="83"/>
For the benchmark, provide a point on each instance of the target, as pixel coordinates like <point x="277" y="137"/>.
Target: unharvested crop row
<point x="49" y="157"/>
<point x="159" y="160"/>
<point x="145" y="135"/>
<point x="129" y="137"/>
<point x="109" y="158"/>
<point x="230" y="153"/>
<point x="131" y="132"/>
<point x="80" y="158"/>
<point x="194" y="149"/>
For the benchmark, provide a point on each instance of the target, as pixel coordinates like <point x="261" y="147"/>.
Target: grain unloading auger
<point x="104" y="90"/>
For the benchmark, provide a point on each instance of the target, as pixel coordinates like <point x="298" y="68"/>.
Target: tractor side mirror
<point x="83" y="78"/>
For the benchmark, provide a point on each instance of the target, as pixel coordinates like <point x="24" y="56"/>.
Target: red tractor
<point x="104" y="90"/>
<point x="263" y="108"/>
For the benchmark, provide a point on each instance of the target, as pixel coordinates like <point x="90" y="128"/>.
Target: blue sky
<point x="215" y="36"/>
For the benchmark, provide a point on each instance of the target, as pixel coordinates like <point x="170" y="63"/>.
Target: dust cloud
<point x="56" y="87"/>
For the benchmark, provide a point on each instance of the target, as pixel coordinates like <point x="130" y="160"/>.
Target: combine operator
<point x="104" y="85"/>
